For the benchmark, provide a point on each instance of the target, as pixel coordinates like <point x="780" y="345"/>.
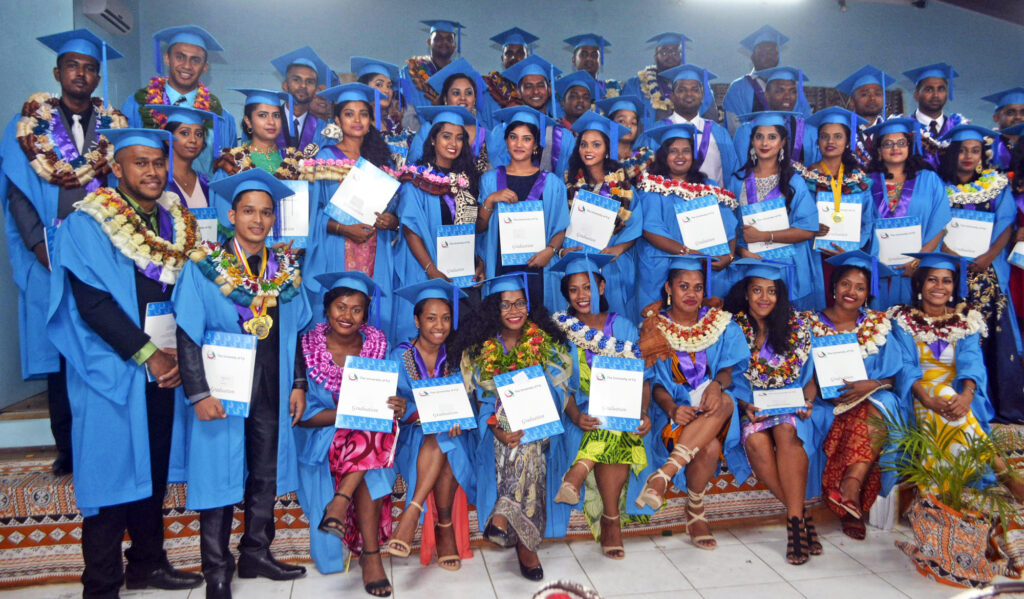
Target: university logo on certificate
<point x="520" y="231"/>
<point x="365" y="192"/>
<point x="837" y="359"/>
<point x="591" y="221"/>
<point x="700" y="225"/>
<point x="616" y="390"/>
<point x="366" y="386"/>
<point x="969" y="233"/>
<point x="897" y="237"/>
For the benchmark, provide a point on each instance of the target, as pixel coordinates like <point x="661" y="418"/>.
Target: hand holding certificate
<point x="846" y="232"/>
<point x="521" y="231"/>
<point x="229" y="361"/>
<point x="837" y="360"/>
<point x="526" y="400"/>
<point x="766" y="216"/>
<point x="365" y="192"/>
<point x="443" y="403"/>
<point x="701" y="227"/>
<point x="206" y="221"/>
<point x="591" y="221"/>
<point x="367" y="386"/>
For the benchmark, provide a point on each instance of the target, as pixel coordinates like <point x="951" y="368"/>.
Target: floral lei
<point x="238" y="159"/>
<point x="221" y="266"/>
<point x="535" y="347"/>
<point x="684" y="190"/>
<point x="135" y="240"/>
<point x="871" y="334"/>
<point x="419" y="75"/>
<point x="320" y="363"/>
<point x="984" y="189"/>
<point x="154" y="94"/>
<point x="853" y="182"/>
<point x="780" y="371"/>
<point x="638" y="163"/>
<point x="618" y="188"/>
<point x="950" y="328"/>
<point x="594" y="340"/>
<point x="35" y="136"/>
<point x="502" y="90"/>
<point x="648" y="77"/>
<point x="701" y="335"/>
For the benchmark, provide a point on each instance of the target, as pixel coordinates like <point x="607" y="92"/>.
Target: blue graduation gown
<point x="726" y="148"/>
<point x="109" y="430"/>
<point x="38" y="355"/>
<point x="562" y="141"/>
<point x="739" y="100"/>
<point x="200" y="307"/>
<point x="730" y="351"/>
<point x="868" y="213"/>
<point x="416" y="143"/>
<point x="807" y="285"/>
<point x="652" y="264"/>
<point x="556" y="220"/>
<point x="632" y="88"/>
<point x="807" y="150"/>
<point x="226" y="130"/>
<point x="929" y="203"/>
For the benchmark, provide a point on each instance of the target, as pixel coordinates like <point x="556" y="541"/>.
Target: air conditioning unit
<point x="111" y="15"/>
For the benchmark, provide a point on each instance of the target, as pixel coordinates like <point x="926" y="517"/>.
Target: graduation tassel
<point x="458" y="40"/>
<point x="963" y="278"/>
<point x="526" y="291"/>
<point x="455" y="306"/>
<point x="595" y="296"/>
<point x="291" y="117"/>
<point x="156" y="57"/>
<point x="216" y="135"/>
<point x="376" y="306"/>
<point x="601" y="58"/>
<point x="106" y="80"/>
<point x="376" y="107"/>
<point x="554" y="113"/>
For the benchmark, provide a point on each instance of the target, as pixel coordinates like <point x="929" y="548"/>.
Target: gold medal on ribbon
<point x="261" y="322"/>
<point x="837" y="217"/>
<point x="836" y="184"/>
<point x="259" y="326"/>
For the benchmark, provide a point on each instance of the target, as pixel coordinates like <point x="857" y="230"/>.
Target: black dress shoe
<point x="62" y="466"/>
<point x="534" y="573"/>
<point x="218" y="590"/>
<point x="496" y="535"/>
<point x="163" y="577"/>
<point x="251" y="566"/>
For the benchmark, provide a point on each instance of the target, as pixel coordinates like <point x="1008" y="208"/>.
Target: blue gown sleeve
<point x="803" y="212"/>
<point x="937" y="214"/>
<point x="970" y="365"/>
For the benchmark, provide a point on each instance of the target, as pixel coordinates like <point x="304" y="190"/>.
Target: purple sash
<point x="245" y="312"/>
<point x="478" y="141"/>
<point x="882" y="197"/>
<point x="821" y="314"/>
<point x="705" y="141"/>
<point x="766" y="352"/>
<point x="759" y="96"/>
<point x="556" y="146"/>
<point x="751" y="187"/>
<point x="607" y="330"/>
<point x="68" y="151"/>
<point x="535" y="191"/>
<point x="449" y="201"/>
<point x="695" y="369"/>
<point x="1002" y="152"/>
<point x="421" y="366"/>
<point x="338" y="154"/>
<point x="173" y="187"/>
<point x="798" y="138"/>
<point x="305" y="136"/>
<point x="937" y="347"/>
<point x="1018" y="198"/>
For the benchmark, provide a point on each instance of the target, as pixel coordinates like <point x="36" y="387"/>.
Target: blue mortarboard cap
<point x="764" y="34"/>
<point x="588" y="39"/>
<point x="254" y="179"/>
<point x="662" y="134"/>
<point x="305" y="56"/>
<point x="361" y="65"/>
<point x="768" y="118"/>
<point x="185" y="34"/>
<point x="357" y="92"/>
<point x="957" y="264"/>
<point x="695" y="73"/>
<point x="150" y="138"/>
<point x="765" y="269"/>
<point x="671" y="38"/>
<point x="514" y="36"/>
<point x="435" y="289"/>
<point x="358" y="281"/>
<point x="524" y="114"/>
<point x="782" y="73"/>
<point x="591" y="121"/>
<point x="609" y="106"/>
<point x="459" y="66"/>
<point x="576" y="78"/>
<point x="1017" y="129"/>
<point x="694" y="262"/>
<point x="939" y="69"/>
<point x="262" y="96"/>
<point x="83" y="41"/>
<point x="456" y="115"/>
<point x="866" y="261"/>
<point x="966" y="131"/>
<point x="580" y="262"/>
<point x="1014" y="95"/>
<point x="866" y="75"/>
<point x="189" y="116"/>
<point x="449" y="27"/>
<point x="898" y="125"/>
<point x="840" y="116"/>
<point x="531" y="65"/>
<point x="513" y="281"/>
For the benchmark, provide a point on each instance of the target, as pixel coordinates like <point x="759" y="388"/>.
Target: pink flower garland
<point x="320" y="363"/>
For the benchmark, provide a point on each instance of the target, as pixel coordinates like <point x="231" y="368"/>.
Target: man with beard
<point x="186" y="59"/>
<point x="124" y="388"/>
<point x="866" y="90"/>
<point x="304" y="74"/>
<point x="443" y="41"/>
<point x="933" y="87"/>
<point x="36" y="199"/>
<point x="576" y="93"/>
<point x="1009" y="112"/>
<point x="669" y="52"/>
<point x="783" y="92"/>
<point x="516" y="44"/>
<point x="747" y="94"/>
<point x="588" y="55"/>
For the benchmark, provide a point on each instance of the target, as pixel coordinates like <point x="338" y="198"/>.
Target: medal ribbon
<point x="836" y="184"/>
<point x="268" y="268"/>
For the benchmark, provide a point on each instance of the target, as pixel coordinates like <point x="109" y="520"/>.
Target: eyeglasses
<point x="888" y="145"/>
<point x="669" y="51"/>
<point x="518" y="305"/>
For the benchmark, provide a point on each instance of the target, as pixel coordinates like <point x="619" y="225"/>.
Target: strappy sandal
<point x="648" y="496"/>
<point x="813" y="543"/>
<point x="614" y="551"/>
<point x="696" y="500"/>
<point x="835" y="496"/>
<point x="377" y="588"/>
<point x="332" y="525"/>
<point x="398" y="548"/>
<point x="854" y="528"/>
<point x="568" y="493"/>
<point x="447" y="562"/>
<point x="796" y="550"/>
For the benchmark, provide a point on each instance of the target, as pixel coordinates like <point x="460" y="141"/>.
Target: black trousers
<point x="60" y="409"/>
<point x="261" y="430"/>
<point x="143" y="519"/>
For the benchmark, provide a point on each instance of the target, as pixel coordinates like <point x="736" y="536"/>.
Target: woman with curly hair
<point x="516" y="483"/>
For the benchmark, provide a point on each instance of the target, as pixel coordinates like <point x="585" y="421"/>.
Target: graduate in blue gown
<point x="1009" y="113"/>
<point x="588" y="56"/>
<point x="522" y="181"/>
<point x="187" y="125"/>
<point x="459" y="84"/>
<point x="654" y="90"/>
<point x="123" y="426"/>
<point x="866" y="89"/>
<point x="616" y="454"/>
<point x="444" y="40"/>
<point x="852" y="478"/>
<point x="903" y="186"/>
<point x="680" y="182"/>
<point x="186" y="46"/>
<point x="749" y="92"/>
<point x="425" y="205"/>
<point x="515" y="483"/>
<point x="575" y="94"/>
<point x="779" y="444"/>
<point x="255" y="449"/>
<point x="784" y="91"/>
<point x="694" y="355"/>
<point x="438" y="466"/>
<point x="770" y="176"/>
<point x="305" y="74"/>
<point x="535" y="79"/>
<point x="385" y="78"/>
<point x="628" y="111"/>
<point x="933" y="88"/>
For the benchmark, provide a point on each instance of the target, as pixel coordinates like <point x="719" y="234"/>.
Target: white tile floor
<point x="749" y="562"/>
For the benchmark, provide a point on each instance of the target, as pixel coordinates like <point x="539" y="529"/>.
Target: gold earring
<point x="979" y="168"/>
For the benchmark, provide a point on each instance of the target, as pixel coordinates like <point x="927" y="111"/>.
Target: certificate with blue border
<point x="456" y="249"/>
<point x="526" y="399"/>
<point x="836" y="359"/>
<point x="366" y="386"/>
<point x="206" y="222"/>
<point x="442" y="403"/>
<point x="229" y="361"/>
<point x="700" y="225"/>
<point x="769" y="215"/>
<point x="292" y="223"/>
<point x="591" y="221"/>
<point x="616" y="390"/>
<point x="521" y="231"/>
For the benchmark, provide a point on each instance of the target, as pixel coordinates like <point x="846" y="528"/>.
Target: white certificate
<point x="442" y="403"/>
<point x="365" y="192"/>
<point x="696" y="395"/>
<point x="778" y="401"/>
<point x="837" y="359"/>
<point x="528" y="405"/>
<point x="160" y="325"/>
<point x="293" y="216"/>
<point x="969" y="233"/>
<point x="700" y="225"/>
<point x="456" y="246"/>
<point x="1017" y="255"/>
<point x="591" y="220"/>
<point x="845" y="234"/>
<point x="896" y="237"/>
<point x="363" y="397"/>
<point x="206" y="221"/>
<point x="766" y="216"/>
<point x="521" y="231"/>
<point x="616" y="387"/>
<point x="229" y="360"/>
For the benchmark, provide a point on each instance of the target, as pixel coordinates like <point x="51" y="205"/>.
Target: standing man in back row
<point x="747" y="94"/>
